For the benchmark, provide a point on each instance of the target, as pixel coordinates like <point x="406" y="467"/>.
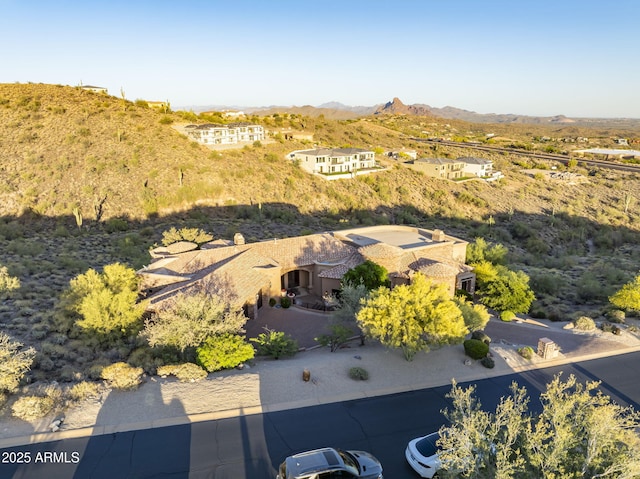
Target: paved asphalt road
<point x="252" y="446"/>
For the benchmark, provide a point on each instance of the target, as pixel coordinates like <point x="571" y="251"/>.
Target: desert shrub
<point x="94" y="371"/>
<point x="285" y="302"/>
<point x="32" y="407"/>
<point x="481" y="336"/>
<point x="43" y="363"/>
<point x="223" y="352"/>
<point x="526" y="352"/>
<point x="122" y="376"/>
<point x="14" y="362"/>
<point x="507" y="316"/>
<point x="114" y="225"/>
<point x="84" y="390"/>
<point x="338" y="336"/>
<point x="538" y="312"/>
<point x="7" y="282"/>
<point x="146" y="358"/>
<point x="616" y="316"/>
<point x="590" y="289"/>
<point x="555" y="314"/>
<point x="272" y="302"/>
<point x="546" y="283"/>
<point x="475" y="348"/>
<point x="185" y="372"/>
<point x="488" y="362"/>
<point x="69" y="374"/>
<point x="359" y="374"/>
<point x="276" y="344"/>
<point x="166" y="120"/>
<point x="584" y="323"/>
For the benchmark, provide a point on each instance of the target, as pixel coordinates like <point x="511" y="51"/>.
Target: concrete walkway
<point x="272" y="385"/>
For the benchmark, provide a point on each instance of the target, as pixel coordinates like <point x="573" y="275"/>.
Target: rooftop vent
<point x="438" y="235"/>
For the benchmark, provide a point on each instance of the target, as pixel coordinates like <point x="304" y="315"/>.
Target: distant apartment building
<point x="95" y="89"/>
<point x="159" y="105"/>
<point x="438" y="167"/>
<point x="230" y="134"/>
<point x="328" y="161"/>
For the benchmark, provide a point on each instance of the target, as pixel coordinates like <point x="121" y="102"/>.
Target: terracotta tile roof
<point x="239" y="266"/>
<point x="435" y="269"/>
<point x="304" y="250"/>
<point x="338" y="271"/>
<point x="241" y="276"/>
<point x="245" y="269"/>
<point x="386" y="255"/>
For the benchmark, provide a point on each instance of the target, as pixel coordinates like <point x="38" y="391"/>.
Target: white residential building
<point x="329" y="161"/>
<point x="477" y="166"/>
<point x="231" y="134"/>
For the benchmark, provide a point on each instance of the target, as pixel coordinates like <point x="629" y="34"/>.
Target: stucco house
<point x="438" y="167"/>
<point x="480" y="167"/>
<point x="327" y="161"/>
<point x="230" y="134"/>
<point x="252" y="273"/>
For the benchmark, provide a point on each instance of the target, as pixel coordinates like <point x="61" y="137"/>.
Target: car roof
<point x="427" y="445"/>
<point x="318" y="460"/>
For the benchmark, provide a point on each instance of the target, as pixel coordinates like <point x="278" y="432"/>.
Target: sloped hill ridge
<point x="63" y="148"/>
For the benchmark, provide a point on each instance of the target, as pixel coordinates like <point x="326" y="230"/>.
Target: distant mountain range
<point x="339" y="111"/>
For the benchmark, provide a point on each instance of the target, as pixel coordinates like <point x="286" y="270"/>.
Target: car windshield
<point x="427" y="445"/>
<point x="350" y="462"/>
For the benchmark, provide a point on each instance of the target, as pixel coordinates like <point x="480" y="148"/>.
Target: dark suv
<point x="330" y="463"/>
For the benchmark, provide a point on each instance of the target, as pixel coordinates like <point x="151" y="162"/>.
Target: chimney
<point x="438" y="235"/>
<point x="238" y="239"/>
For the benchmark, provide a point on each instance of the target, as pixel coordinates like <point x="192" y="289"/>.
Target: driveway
<point x="302" y="324"/>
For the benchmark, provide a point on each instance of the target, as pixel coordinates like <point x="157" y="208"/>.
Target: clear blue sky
<point x="532" y="57"/>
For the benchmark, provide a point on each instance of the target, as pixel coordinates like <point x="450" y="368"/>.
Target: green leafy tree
<point x="579" y="433"/>
<point x="503" y="289"/>
<point x="7" y="282"/>
<point x="480" y="251"/>
<point x="370" y="274"/>
<point x="188" y="319"/>
<point x="475" y="316"/>
<point x="194" y="235"/>
<point x="14" y="363"/>
<point x="508" y="291"/>
<point x="224" y="351"/>
<point x="412" y="317"/>
<point x="628" y="298"/>
<point x="105" y="303"/>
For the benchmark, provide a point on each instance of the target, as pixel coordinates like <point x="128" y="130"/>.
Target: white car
<point x="330" y="463"/>
<point x="422" y="455"/>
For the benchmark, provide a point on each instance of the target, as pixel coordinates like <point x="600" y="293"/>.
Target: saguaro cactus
<point x="78" y="215"/>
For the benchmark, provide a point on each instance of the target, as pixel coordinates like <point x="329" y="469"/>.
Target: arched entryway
<point x="297" y="278"/>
